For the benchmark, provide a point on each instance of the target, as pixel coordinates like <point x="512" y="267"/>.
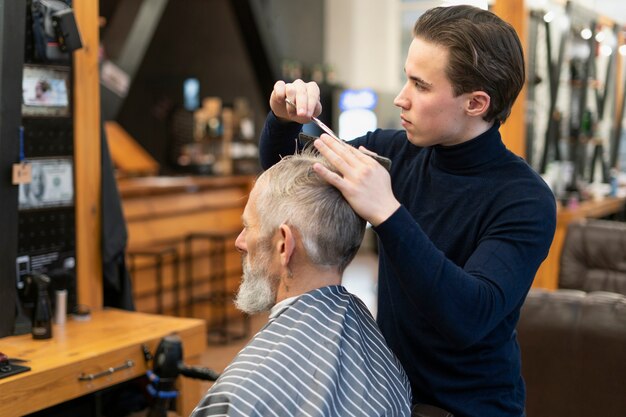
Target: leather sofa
<point x="594" y="256"/>
<point x="573" y="347"/>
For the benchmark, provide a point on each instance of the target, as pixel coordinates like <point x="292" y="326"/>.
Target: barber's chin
<point x="413" y="138"/>
<point x="418" y="139"/>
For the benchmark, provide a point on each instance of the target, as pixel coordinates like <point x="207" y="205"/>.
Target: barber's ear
<point x="478" y="103"/>
<point x="286" y="244"/>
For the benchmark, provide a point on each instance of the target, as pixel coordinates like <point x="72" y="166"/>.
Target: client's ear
<point x="286" y="244"/>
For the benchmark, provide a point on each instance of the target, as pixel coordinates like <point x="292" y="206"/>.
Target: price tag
<point x="22" y="173"/>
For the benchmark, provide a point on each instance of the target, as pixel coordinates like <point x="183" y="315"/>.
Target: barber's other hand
<point x="365" y="184"/>
<point x="306" y="97"/>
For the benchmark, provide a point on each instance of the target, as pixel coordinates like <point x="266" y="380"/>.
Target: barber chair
<point x="594" y="257"/>
<point x="573" y="347"/>
<point x="167" y="365"/>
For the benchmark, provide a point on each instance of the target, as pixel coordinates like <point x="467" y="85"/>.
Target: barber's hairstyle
<point x="290" y="192"/>
<point x="485" y="53"/>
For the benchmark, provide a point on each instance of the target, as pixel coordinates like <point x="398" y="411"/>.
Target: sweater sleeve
<point x="277" y="139"/>
<point x="466" y="303"/>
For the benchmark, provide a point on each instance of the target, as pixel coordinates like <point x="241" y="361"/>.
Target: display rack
<point x="573" y="60"/>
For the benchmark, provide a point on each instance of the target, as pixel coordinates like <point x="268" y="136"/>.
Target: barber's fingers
<point x="277" y="100"/>
<point x="280" y="90"/>
<point x="364" y="183"/>
<point x="338" y="154"/>
<point x="344" y="156"/>
<point x="364" y="150"/>
<point x="306" y="97"/>
<point x="314" y="105"/>
<point x="329" y="176"/>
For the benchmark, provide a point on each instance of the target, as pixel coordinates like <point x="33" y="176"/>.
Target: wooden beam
<point x="87" y="159"/>
<point x="619" y="99"/>
<point x="128" y="156"/>
<point x="514" y="130"/>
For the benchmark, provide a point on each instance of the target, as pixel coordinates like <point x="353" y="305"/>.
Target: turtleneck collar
<point x="471" y="155"/>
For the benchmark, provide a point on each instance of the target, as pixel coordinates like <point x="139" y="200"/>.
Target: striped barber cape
<point x="323" y="355"/>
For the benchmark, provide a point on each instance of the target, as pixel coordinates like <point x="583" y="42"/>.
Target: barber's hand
<point x="365" y="183"/>
<point x="306" y="97"/>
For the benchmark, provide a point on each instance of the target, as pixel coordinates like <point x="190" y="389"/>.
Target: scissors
<point x="385" y="162"/>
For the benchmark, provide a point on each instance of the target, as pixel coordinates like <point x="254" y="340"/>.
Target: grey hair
<point x="292" y="193"/>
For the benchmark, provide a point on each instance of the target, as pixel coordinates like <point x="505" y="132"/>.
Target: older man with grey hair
<point x="321" y="353"/>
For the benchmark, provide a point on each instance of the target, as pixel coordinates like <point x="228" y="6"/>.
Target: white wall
<point x="362" y="42"/>
<point x="614" y="9"/>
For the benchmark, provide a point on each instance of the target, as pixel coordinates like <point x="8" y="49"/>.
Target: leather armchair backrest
<point x="574" y="353"/>
<point x="594" y="257"/>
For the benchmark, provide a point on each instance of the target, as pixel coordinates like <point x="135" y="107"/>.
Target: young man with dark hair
<point x="463" y="223"/>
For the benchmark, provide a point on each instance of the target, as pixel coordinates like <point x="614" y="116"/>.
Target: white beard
<point x="257" y="292"/>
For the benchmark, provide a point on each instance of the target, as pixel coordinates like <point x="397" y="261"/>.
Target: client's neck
<point x="304" y="278"/>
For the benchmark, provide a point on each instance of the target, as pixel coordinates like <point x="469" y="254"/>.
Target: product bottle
<point x="60" y="312"/>
<point x="42" y="315"/>
<point x="613" y="182"/>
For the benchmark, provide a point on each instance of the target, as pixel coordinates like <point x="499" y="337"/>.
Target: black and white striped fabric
<point x="321" y="356"/>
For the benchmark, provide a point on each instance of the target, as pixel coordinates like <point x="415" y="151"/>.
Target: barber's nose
<point x="240" y="243"/>
<point x="401" y="100"/>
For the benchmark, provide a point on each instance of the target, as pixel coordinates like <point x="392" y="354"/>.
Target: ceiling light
<point x="586" y="33"/>
<point x="548" y="17"/>
<point x="600" y="36"/>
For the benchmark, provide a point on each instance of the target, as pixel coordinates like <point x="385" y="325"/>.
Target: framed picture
<point x="45" y="91"/>
<point x="52" y="184"/>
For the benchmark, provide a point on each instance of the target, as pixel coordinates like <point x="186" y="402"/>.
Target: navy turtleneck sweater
<point x="456" y="262"/>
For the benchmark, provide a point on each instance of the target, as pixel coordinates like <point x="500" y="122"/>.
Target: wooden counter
<point x="108" y="340"/>
<point x="548" y="273"/>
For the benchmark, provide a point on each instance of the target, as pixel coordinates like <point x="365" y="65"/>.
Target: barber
<point x="463" y="223"/>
